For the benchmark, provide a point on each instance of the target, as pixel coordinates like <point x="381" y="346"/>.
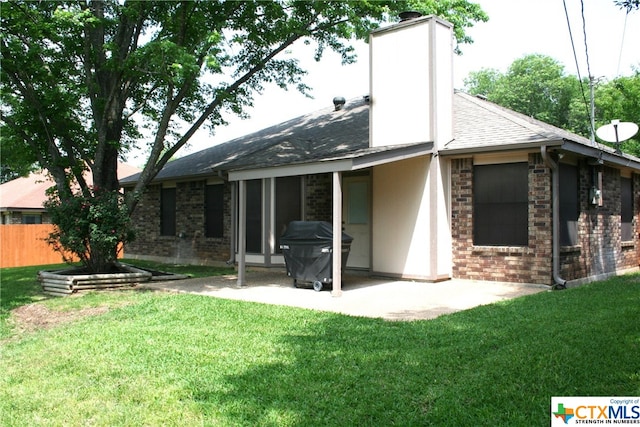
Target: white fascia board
<point x="357" y="162"/>
<point x="384" y="157"/>
<point x="292" y="170"/>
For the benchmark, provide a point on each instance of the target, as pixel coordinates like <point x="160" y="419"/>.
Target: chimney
<point x="411" y="78"/>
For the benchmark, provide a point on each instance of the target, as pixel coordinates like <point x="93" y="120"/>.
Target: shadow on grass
<point x="493" y="365"/>
<point x="20" y="286"/>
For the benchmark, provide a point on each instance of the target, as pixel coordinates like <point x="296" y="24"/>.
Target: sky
<point x="515" y="28"/>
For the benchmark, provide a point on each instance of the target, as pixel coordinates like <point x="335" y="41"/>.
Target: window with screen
<point x="168" y="212"/>
<point x="288" y="204"/>
<point x="569" y="200"/>
<point x="214" y="210"/>
<point x="500" y="204"/>
<point x="626" y="209"/>
<point x="31" y="219"/>
<point x="254" y="216"/>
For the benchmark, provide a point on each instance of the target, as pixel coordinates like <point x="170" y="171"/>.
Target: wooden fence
<point x="23" y="245"/>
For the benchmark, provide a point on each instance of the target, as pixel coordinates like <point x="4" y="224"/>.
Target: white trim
<point x="291" y="170"/>
<point x="336" y="267"/>
<point x="214" y="181"/>
<point x="242" y="230"/>
<point x="353" y="162"/>
<point x="496" y="158"/>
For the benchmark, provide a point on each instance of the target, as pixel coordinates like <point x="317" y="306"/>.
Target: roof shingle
<point x="328" y="134"/>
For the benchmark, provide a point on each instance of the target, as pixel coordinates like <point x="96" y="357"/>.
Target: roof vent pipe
<point x="338" y="103"/>
<point x="409" y="15"/>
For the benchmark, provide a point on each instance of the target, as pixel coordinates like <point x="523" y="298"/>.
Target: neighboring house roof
<point x="25" y="193"/>
<point x="28" y="193"/>
<point x="325" y="135"/>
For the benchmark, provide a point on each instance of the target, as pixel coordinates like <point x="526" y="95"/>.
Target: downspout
<point x="559" y="282"/>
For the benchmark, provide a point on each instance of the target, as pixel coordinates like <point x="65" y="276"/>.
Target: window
<point x="288" y="204"/>
<point x="626" y="209"/>
<point x="500" y="204"/>
<point x="358" y="202"/>
<point x="254" y="216"/>
<point x="214" y="210"/>
<point x="168" y="212"/>
<point x="31" y="219"/>
<point x="569" y="204"/>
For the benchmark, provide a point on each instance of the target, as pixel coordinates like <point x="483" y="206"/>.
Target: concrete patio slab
<point x="362" y="295"/>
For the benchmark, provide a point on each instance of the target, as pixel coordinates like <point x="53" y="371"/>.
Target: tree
<point x="85" y="81"/>
<point x="629" y="5"/>
<point x="619" y="99"/>
<point x="537" y="86"/>
<point x="482" y="82"/>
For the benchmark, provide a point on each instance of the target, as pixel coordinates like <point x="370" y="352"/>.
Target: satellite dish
<point x="617" y="131"/>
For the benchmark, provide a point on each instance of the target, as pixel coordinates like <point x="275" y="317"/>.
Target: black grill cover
<point x="311" y="232"/>
<point x="307" y="248"/>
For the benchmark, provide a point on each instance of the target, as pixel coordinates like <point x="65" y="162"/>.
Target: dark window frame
<point x="626" y="209"/>
<point x="501" y="204"/>
<point x="288" y="204"/>
<point x="569" y="199"/>
<point x="254" y="220"/>
<point x="168" y="211"/>
<point x="214" y="210"/>
<point x="31" y="218"/>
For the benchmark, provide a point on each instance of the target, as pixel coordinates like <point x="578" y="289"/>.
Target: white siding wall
<point x="401" y="219"/>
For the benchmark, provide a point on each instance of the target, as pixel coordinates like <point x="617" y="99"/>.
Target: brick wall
<point x="600" y="249"/>
<point x="189" y="244"/>
<point x="530" y="264"/>
<point x="318" y="198"/>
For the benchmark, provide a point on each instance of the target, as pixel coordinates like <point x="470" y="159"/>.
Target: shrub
<point x="93" y="228"/>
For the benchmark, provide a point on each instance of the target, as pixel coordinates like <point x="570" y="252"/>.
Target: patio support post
<point x="337" y="235"/>
<point x="242" y="228"/>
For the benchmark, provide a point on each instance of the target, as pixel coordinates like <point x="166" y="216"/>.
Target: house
<point x="22" y="199"/>
<point x="432" y="184"/>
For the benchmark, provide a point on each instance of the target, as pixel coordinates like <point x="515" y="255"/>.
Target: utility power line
<point x="575" y="57"/>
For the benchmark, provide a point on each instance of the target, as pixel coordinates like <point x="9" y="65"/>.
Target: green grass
<point x="19" y="286"/>
<point x="175" y="359"/>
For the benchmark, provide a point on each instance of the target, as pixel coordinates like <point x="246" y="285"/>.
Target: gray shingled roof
<point x="315" y="136"/>
<point x="482" y="124"/>
<point x="326" y="134"/>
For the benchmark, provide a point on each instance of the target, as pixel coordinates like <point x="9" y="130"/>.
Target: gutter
<point x="559" y="282"/>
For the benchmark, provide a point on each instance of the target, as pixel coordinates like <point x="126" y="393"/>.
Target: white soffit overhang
<point x="360" y="159"/>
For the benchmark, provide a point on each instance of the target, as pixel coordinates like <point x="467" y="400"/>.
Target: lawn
<point x="173" y="359"/>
